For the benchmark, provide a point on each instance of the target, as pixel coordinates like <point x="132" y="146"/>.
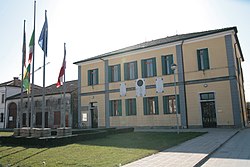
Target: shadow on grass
<point x="143" y="140"/>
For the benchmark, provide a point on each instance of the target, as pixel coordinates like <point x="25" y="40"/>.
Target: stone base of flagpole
<point x="40" y="132"/>
<point x="25" y="132"/>
<point x="67" y="131"/>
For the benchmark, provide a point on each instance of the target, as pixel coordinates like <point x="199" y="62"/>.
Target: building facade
<point x="54" y="108"/>
<point x="7" y="89"/>
<point x="135" y="86"/>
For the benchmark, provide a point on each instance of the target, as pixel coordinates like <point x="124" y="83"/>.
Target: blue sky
<point x="94" y="27"/>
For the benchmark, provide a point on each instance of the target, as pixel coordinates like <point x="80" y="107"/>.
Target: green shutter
<point x="110" y="108"/>
<point x="97" y="76"/>
<point x="154" y="67"/>
<point x="136" y="70"/>
<point x="145" y="106"/>
<point x="178" y="104"/>
<point x="156" y="106"/>
<point x="143" y="69"/>
<point x="165" y="104"/>
<point x="110" y="73"/>
<point x="127" y="106"/>
<point x="119" y="72"/>
<point x="163" y="63"/>
<point x="206" y="59"/>
<point x="199" y="60"/>
<point x="125" y="71"/>
<point x="171" y="61"/>
<point x="89" y="77"/>
<point x="120" y="107"/>
<point x="134" y="107"/>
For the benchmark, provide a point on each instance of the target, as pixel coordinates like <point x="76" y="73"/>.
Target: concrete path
<point x="236" y="152"/>
<point x="189" y="153"/>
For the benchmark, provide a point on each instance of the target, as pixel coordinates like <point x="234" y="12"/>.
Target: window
<point x="150" y="105"/>
<point x="130" y="107"/>
<point x="2" y="98"/>
<point x="114" y="73"/>
<point x="47" y="102"/>
<point x="207" y="96"/>
<point x="1" y="117"/>
<point x="148" y="67"/>
<point x="203" y="60"/>
<point x="169" y="106"/>
<point x="130" y="71"/>
<point x="93" y="77"/>
<point x="59" y="101"/>
<point x="167" y="62"/>
<point x="115" y="107"/>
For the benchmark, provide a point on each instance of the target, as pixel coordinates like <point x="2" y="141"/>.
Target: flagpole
<point x="23" y="61"/>
<point x="45" y="52"/>
<point x="64" y="87"/>
<point x="33" y="65"/>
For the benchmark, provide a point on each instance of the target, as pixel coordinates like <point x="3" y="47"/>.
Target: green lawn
<point x="110" y="151"/>
<point x="6" y="133"/>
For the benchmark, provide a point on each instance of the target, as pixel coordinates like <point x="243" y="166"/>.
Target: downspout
<point x="242" y="112"/>
<point x="184" y="82"/>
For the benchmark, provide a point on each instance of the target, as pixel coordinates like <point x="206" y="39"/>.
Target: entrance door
<point x="208" y="114"/>
<point x="94" y="116"/>
<point x="12" y="115"/>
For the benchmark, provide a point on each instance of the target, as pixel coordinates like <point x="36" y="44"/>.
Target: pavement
<point x="206" y="150"/>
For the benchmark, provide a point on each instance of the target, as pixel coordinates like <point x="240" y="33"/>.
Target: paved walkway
<point x="189" y="153"/>
<point x="236" y="152"/>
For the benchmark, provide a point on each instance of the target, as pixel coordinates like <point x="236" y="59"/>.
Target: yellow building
<point x="135" y="86"/>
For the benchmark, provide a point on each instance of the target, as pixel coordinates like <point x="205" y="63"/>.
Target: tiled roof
<point x="160" y="41"/>
<point x="15" y="83"/>
<point x="70" y="86"/>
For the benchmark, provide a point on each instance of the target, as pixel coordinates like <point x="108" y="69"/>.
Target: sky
<point x="91" y="28"/>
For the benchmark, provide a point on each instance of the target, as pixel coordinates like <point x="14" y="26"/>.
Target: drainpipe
<point x="183" y="71"/>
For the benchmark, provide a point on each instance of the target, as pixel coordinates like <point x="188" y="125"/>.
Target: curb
<point x="203" y="160"/>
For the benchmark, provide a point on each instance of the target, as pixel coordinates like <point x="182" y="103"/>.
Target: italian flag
<point x="31" y="46"/>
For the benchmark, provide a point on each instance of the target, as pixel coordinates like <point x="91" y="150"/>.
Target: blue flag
<point x="43" y="39"/>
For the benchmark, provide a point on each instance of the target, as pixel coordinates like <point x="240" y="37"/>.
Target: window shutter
<point x="171" y="61"/>
<point x="134" y="106"/>
<point x="206" y="59"/>
<point x="199" y="60"/>
<point x="154" y="67"/>
<point x="119" y="72"/>
<point x="97" y="76"/>
<point x="145" y="106"/>
<point x="110" y="73"/>
<point x="178" y="104"/>
<point x="165" y="104"/>
<point x="120" y="107"/>
<point x="125" y="71"/>
<point x="127" y="106"/>
<point x="143" y="69"/>
<point x="156" y="106"/>
<point x="110" y="108"/>
<point x="136" y="71"/>
<point x="163" y="63"/>
<point x="89" y="77"/>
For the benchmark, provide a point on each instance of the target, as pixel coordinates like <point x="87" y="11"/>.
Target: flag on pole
<point x="26" y="79"/>
<point x="62" y="70"/>
<point x="24" y="47"/>
<point x="31" y="46"/>
<point x="43" y="39"/>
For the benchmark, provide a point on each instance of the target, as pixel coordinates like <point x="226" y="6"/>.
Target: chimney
<point x="15" y="81"/>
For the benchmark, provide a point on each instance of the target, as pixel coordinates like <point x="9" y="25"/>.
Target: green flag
<point x="26" y="79"/>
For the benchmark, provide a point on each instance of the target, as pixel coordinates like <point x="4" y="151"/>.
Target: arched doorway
<point x="12" y="115"/>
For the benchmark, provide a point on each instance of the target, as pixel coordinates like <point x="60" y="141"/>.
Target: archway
<point x="12" y="117"/>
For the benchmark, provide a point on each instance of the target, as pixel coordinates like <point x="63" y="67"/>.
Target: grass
<point x="6" y="133"/>
<point x="114" y="150"/>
